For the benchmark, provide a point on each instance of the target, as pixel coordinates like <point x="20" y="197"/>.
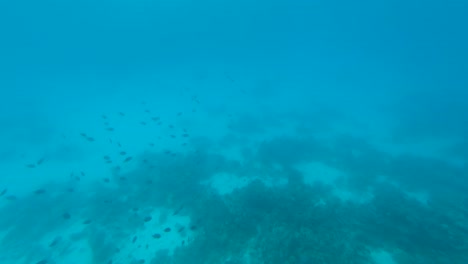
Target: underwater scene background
<point x="240" y="132"/>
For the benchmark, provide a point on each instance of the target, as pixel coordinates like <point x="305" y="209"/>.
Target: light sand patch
<point x="420" y="196"/>
<point x="317" y="172"/>
<point x="225" y="183"/>
<point x="382" y="257"/>
<point x="314" y="172"/>
<point x="346" y="195"/>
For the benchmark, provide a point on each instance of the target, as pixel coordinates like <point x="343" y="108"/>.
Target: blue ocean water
<point x="256" y="132"/>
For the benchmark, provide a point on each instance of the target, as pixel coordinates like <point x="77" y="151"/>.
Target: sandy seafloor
<point x="234" y="183"/>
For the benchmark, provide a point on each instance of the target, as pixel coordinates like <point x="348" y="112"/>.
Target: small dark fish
<point x="171" y="126"/>
<point x="104" y="117"/>
<point x="183" y="242"/>
<point x="90" y="139"/>
<point x="55" y="242"/>
<point x="121" y="113"/>
<point x="66" y="216"/>
<point x="173" y="136"/>
<point x="151" y="144"/>
<point x="82" y="173"/>
<point x="134" y="239"/>
<point x="167" y="229"/>
<point x="83" y="135"/>
<point x="181" y="229"/>
<point x="122" y="178"/>
<point x="44" y="261"/>
<point x="87" y="222"/>
<point x="128" y="159"/>
<point x="11" y="198"/>
<point x="147" y="219"/>
<point x="31" y="166"/>
<point x="147" y="111"/>
<point x="3" y="192"/>
<point x="109" y="262"/>
<point x="147" y="246"/>
<point x="108" y="161"/>
<point x="157" y="236"/>
<point x="71" y="190"/>
<point x="143" y="123"/>
<point x="123" y="153"/>
<point x="230" y="79"/>
<point x="106" y="180"/>
<point x="77" y="178"/>
<point x="40" y="161"/>
<point x="135" y="209"/>
<point x="110" y="129"/>
<point x="177" y="211"/>
<point x="40" y="191"/>
<point x="179" y="114"/>
<point x="193" y="227"/>
<point x="141" y="261"/>
<point x="185" y="135"/>
<point x="106" y="157"/>
<point x="155" y="119"/>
